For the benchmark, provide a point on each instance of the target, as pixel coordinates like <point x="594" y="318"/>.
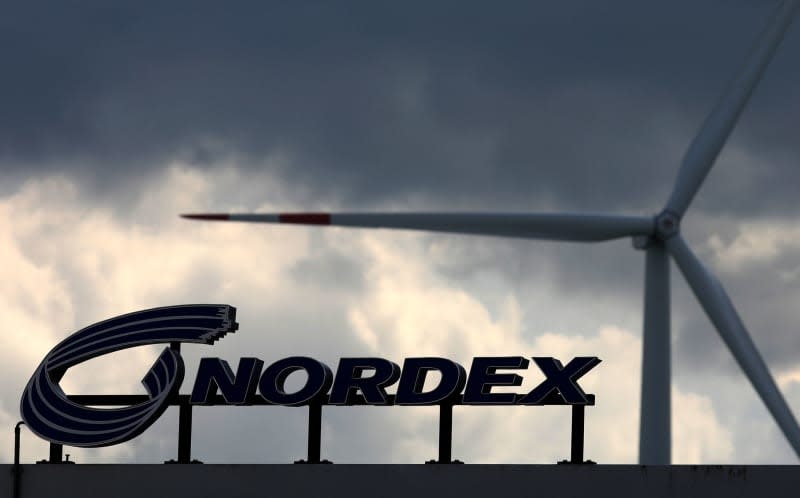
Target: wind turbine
<point x="659" y="236"/>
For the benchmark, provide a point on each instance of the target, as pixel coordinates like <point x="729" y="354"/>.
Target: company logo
<point x="50" y="414"/>
<point x="54" y="416"/>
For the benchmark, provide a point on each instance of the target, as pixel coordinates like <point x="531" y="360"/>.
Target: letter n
<point x="214" y="373"/>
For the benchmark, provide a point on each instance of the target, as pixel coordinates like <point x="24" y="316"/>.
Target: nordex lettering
<point x="49" y="412"/>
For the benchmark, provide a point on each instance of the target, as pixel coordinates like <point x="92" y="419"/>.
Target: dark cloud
<point x="579" y="104"/>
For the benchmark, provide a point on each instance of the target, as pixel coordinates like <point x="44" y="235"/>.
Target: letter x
<point x="563" y="379"/>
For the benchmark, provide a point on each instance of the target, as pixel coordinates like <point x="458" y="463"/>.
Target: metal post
<point x="184" y="422"/>
<point x="445" y="432"/>
<point x="314" y="432"/>
<point x="56" y="453"/>
<point x="577" y="434"/>
<point x="17" y="469"/>
<point x="185" y="433"/>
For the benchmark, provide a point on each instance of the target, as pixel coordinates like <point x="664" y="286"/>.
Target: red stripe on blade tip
<point x="306" y="218"/>
<point x="207" y="216"/>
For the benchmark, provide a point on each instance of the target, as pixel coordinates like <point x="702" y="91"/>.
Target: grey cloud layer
<point x="452" y="104"/>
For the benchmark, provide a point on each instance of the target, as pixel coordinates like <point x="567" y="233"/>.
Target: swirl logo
<point x="50" y="414"/>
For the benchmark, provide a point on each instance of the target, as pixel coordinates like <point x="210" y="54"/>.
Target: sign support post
<point x="314" y="432"/>
<point x="445" y="433"/>
<point x="185" y="432"/>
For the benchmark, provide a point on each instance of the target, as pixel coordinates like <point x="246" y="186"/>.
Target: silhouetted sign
<point x="53" y="416"/>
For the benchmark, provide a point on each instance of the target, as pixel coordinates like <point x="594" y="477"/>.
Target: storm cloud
<point x="578" y="105"/>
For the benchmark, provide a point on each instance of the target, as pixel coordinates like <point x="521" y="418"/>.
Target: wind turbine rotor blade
<point x="720" y="310"/>
<point x="570" y="227"/>
<point x="703" y="151"/>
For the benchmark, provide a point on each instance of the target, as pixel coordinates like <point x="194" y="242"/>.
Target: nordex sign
<point x="48" y="411"/>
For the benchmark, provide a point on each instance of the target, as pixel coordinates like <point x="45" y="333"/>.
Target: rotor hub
<point x="667" y="225"/>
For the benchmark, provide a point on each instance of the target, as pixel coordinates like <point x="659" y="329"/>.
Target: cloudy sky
<point x="118" y="117"/>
